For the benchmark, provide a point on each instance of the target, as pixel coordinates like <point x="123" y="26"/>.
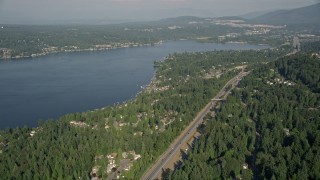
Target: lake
<point x="53" y="85"/>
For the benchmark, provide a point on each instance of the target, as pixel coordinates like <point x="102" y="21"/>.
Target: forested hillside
<point x="304" y="17"/>
<point x="311" y="46"/>
<point x="17" y="41"/>
<point x="268" y="128"/>
<point x="72" y="146"/>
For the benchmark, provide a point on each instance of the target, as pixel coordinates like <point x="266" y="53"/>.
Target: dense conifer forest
<point x="268" y="128"/>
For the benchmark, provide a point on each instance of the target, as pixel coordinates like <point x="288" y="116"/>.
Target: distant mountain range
<point x="252" y="15"/>
<point x="304" y="17"/>
<point x="309" y="15"/>
<point x="178" y="20"/>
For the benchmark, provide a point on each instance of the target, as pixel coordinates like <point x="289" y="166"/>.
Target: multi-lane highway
<point x="165" y="159"/>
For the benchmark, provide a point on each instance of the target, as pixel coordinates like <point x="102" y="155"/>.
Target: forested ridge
<point x="20" y="41"/>
<point x="268" y="128"/>
<point x="27" y="41"/>
<point x="313" y="46"/>
<point x="68" y="148"/>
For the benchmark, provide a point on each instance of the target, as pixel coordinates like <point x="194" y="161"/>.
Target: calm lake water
<point x="57" y="84"/>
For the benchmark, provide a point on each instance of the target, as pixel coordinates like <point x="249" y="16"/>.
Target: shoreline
<point x="126" y="45"/>
<point x="141" y="88"/>
<point x="114" y="105"/>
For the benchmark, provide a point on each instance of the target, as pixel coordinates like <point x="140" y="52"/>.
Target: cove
<point x="57" y="84"/>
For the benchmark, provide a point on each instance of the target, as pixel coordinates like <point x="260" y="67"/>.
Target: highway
<point x="163" y="161"/>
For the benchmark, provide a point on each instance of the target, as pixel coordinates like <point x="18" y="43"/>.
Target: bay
<point x="53" y="85"/>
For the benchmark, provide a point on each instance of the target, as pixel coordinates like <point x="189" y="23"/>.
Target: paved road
<point x="164" y="160"/>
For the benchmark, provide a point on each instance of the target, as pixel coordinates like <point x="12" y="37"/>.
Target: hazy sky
<point x="55" y="11"/>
